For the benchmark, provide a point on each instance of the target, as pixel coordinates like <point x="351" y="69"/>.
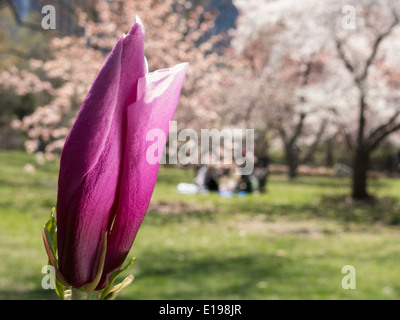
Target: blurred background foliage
<point x="248" y="58"/>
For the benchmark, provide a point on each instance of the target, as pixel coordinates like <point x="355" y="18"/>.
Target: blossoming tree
<point x="77" y="58"/>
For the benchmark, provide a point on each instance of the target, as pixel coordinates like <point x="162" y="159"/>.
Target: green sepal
<point x="108" y="288"/>
<point x="64" y="291"/>
<point x="119" y="287"/>
<point x="60" y="289"/>
<point x="50" y="229"/>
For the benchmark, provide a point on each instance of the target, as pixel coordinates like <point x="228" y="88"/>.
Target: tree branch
<point x="361" y="119"/>
<point x="343" y="129"/>
<point x="375" y="47"/>
<point x="283" y="134"/>
<point x="347" y="63"/>
<point x="349" y="66"/>
<point x="389" y="130"/>
<point x="298" y="129"/>
<point x="382" y="128"/>
<point x="315" y="144"/>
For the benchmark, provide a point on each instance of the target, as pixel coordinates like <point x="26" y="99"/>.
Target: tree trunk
<point x="360" y="170"/>
<point x="329" y="153"/>
<point x="292" y="173"/>
<point x="291" y="161"/>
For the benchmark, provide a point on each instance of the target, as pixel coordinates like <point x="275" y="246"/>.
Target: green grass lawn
<point x="290" y="243"/>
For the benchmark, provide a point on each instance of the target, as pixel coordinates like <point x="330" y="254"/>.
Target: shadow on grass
<point x="208" y="276"/>
<point x="204" y="276"/>
<point x="328" y="182"/>
<point x="18" y="184"/>
<point x="34" y="294"/>
<point x="28" y="288"/>
<point x="384" y="210"/>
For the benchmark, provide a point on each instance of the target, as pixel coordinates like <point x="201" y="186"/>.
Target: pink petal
<point x="158" y="95"/>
